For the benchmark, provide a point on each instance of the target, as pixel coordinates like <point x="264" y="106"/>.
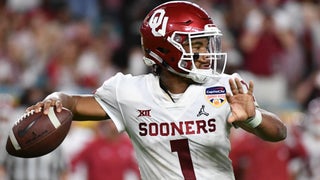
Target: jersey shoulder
<point x="128" y="80"/>
<point x="123" y="83"/>
<point x="229" y="76"/>
<point x="223" y="79"/>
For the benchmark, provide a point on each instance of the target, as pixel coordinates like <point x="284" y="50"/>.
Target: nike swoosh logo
<point x="24" y="131"/>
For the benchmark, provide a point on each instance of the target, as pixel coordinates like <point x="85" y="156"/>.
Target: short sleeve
<point x="106" y="96"/>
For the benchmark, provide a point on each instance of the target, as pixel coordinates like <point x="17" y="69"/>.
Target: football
<point x="37" y="134"/>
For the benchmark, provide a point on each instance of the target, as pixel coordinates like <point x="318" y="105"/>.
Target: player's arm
<point x="271" y="127"/>
<point x="246" y="115"/>
<point x="83" y="107"/>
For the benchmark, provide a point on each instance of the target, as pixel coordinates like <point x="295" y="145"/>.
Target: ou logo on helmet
<point x="156" y="20"/>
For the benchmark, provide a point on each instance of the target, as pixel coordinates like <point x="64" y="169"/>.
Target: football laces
<point x="25" y="115"/>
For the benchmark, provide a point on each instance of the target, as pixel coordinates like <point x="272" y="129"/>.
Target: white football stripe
<point x="53" y="118"/>
<point x="14" y="140"/>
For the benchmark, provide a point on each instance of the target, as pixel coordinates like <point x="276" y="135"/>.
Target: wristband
<point x="254" y="121"/>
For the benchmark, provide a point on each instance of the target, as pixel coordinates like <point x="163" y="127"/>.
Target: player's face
<point x="198" y="46"/>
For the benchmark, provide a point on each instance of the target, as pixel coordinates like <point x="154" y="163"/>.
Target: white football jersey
<point x="187" y="139"/>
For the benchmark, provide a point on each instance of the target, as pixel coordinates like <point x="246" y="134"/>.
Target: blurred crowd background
<point x="73" y="46"/>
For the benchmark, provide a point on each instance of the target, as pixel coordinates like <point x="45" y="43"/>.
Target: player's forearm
<point x="83" y="107"/>
<point x="271" y="128"/>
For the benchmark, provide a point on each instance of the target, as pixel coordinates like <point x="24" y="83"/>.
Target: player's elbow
<point x="273" y="129"/>
<point x="283" y="133"/>
<point x="281" y="130"/>
<point x="280" y="133"/>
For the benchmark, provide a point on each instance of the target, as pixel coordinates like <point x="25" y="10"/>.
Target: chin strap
<point x="198" y="75"/>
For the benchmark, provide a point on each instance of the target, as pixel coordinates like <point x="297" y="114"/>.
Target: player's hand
<point x="241" y="103"/>
<point x="45" y="105"/>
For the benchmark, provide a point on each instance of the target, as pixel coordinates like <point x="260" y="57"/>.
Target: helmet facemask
<point x="186" y="42"/>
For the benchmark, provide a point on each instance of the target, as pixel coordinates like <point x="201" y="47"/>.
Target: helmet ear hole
<point x="163" y="50"/>
<point x="147" y="51"/>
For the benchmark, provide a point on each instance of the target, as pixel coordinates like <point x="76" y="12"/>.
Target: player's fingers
<point x="239" y="86"/>
<point x="250" y="90"/>
<point x="58" y="105"/>
<point x="31" y="108"/>
<point x="47" y="104"/>
<point x="231" y="119"/>
<point x="38" y="107"/>
<point x="233" y="87"/>
<point x="228" y="96"/>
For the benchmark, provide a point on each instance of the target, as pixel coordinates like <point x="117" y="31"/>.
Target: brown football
<point x="37" y="134"/>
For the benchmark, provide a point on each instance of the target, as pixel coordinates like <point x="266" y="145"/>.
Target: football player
<point x="179" y="116"/>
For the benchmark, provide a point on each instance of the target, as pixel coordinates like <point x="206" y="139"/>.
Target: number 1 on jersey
<point x="181" y="146"/>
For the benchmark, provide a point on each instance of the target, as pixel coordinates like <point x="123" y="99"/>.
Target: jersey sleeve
<point x="106" y="96"/>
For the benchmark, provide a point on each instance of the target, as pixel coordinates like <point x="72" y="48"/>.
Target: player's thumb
<point x="231" y="118"/>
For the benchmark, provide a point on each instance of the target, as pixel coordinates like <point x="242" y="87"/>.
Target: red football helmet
<point x="169" y="25"/>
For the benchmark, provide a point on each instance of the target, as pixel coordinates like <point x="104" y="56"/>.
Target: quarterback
<point x="179" y="116"/>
